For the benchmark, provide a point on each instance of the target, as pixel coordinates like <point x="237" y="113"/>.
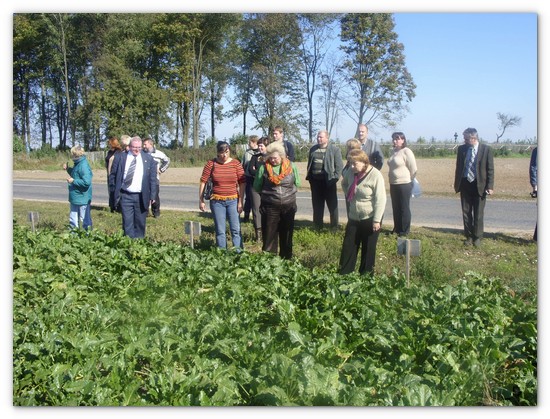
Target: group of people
<point x="265" y="182"/>
<point x="133" y="170"/>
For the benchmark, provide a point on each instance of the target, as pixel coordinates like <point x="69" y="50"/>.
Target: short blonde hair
<point x="77" y="151"/>
<point x="353" y="144"/>
<point x="125" y="140"/>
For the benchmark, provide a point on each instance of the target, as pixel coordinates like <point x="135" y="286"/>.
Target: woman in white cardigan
<point x="402" y="171"/>
<point x="366" y="195"/>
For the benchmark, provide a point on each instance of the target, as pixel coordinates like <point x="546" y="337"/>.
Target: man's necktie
<point x="471" y="176"/>
<point x="130" y="174"/>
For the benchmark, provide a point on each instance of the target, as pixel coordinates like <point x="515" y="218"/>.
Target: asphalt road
<point x="503" y="216"/>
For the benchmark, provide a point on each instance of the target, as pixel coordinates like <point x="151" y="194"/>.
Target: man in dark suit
<point x="474" y="179"/>
<point x="133" y="180"/>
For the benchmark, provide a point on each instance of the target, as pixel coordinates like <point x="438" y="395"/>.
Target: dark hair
<point x="264" y="141"/>
<point x="222" y="146"/>
<point x="472" y="132"/>
<point x="399" y="134"/>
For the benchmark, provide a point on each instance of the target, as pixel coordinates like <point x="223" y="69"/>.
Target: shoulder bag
<point x="207" y="192"/>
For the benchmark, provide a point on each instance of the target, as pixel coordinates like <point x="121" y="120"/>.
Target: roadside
<point x="435" y="176"/>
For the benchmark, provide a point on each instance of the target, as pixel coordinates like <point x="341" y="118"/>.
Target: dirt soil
<point x="436" y="176"/>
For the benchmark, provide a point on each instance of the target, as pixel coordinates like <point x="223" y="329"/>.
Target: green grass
<point x="443" y="259"/>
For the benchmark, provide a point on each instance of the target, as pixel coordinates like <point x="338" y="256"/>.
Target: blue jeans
<point x="80" y="214"/>
<point x="222" y="211"/>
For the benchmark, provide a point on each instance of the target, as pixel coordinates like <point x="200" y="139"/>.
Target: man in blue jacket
<point x="133" y="180"/>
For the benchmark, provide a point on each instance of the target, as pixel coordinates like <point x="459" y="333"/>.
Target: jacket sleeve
<point x="164" y="163"/>
<point x="338" y="163"/>
<point x="533" y="168"/>
<point x="489" y="184"/>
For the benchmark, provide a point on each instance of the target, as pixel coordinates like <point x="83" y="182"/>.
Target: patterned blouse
<point x="225" y="177"/>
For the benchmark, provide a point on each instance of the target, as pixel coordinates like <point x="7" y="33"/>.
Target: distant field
<point x="435" y="175"/>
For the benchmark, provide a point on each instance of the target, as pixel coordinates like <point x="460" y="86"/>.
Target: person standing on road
<point x="324" y="168"/>
<point x="371" y="147"/>
<point x="533" y="181"/>
<point x="257" y="160"/>
<point x="80" y="189"/>
<point x="114" y="150"/>
<point x="351" y="144"/>
<point x="278" y="135"/>
<point x="277" y="181"/>
<point x="365" y="191"/>
<point x="133" y="180"/>
<point x="474" y="179"/>
<point x="250" y="151"/>
<point x="163" y="162"/>
<point x="226" y="203"/>
<point x="402" y="171"/>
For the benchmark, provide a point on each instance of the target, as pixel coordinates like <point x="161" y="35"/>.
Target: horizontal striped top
<point x="226" y="178"/>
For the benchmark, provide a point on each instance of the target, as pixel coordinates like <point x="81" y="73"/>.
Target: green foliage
<point x="17" y="144"/>
<point x="104" y="320"/>
<point x="375" y="65"/>
<point x="443" y="259"/>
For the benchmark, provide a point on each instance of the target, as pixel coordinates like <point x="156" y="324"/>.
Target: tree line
<point x="84" y="77"/>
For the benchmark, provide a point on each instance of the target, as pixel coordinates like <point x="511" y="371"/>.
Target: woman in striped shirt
<point x="228" y="190"/>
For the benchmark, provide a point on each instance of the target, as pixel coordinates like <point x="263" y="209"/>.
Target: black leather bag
<point x="207" y="193"/>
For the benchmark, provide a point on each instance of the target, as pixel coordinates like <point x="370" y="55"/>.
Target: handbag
<point x="416" y="189"/>
<point x="207" y="192"/>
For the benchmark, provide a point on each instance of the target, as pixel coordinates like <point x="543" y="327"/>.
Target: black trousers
<point x="359" y="234"/>
<point x="155" y="207"/>
<point x="401" y="207"/>
<point x="321" y="193"/>
<point x="473" y="208"/>
<point x="278" y="228"/>
<point x="247" y="206"/>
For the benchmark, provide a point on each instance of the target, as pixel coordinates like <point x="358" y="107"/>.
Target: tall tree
<point x="375" y="69"/>
<point x="27" y="71"/>
<point x="273" y="47"/>
<point x="316" y="34"/>
<point x="506" y="121"/>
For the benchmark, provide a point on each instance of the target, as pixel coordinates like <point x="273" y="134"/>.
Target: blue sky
<point x="467" y="67"/>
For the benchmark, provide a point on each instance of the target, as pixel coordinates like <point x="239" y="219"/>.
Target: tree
<point x="330" y="88"/>
<point x="507" y="121"/>
<point x="27" y="60"/>
<point x="273" y="48"/>
<point x="375" y="69"/>
<point x="315" y="31"/>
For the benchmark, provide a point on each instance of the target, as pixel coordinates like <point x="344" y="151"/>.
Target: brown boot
<point x="258" y="235"/>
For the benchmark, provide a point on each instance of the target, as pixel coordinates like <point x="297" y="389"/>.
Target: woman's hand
<point x="202" y="205"/>
<point x="376" y="226"/>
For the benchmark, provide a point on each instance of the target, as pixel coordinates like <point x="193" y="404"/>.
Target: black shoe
<point x="477" y="242"/>
<point x="468" y="242"/>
